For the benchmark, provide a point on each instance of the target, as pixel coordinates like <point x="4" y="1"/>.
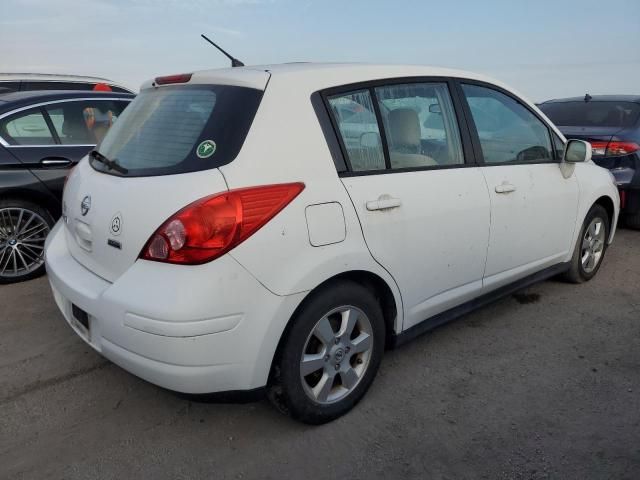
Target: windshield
<point x="179" y="129"/>
<point x="592" y="114"/>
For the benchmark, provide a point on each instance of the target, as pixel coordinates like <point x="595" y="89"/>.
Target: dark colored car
<point x="22" y="82"/>
<point x="611" y="123"/>
<point x="42" y="136"/>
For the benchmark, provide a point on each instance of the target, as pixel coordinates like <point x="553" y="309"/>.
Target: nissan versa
<point x="280" y="226"/>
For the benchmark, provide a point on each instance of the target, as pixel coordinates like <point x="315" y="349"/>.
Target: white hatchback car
<point x="279" y="226"/>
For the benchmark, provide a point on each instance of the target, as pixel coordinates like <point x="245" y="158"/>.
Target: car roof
<point x="11" y="101"/>
<point x="317" y="76"/>
<point x="54" y="77"/>
<point x="597" y="98"/>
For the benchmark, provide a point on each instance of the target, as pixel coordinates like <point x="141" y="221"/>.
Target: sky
<point x="542" y="48"/>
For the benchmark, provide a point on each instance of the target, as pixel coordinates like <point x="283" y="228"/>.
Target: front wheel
<point x="331" y="354"/>
<point x="591" y="246"/>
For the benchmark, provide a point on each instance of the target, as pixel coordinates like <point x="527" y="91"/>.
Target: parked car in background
<point x="20" y="82"/>
<point x="42" y="136"/>
<point x="230" y="233"/>
<point x="611" y="123"/>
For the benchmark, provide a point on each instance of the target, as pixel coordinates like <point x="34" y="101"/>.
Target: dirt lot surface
<point x="544" y="384"/>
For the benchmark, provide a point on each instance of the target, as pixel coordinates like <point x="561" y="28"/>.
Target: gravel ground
<point x="542" y="384"/>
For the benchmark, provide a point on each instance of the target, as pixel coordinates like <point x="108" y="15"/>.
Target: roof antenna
<point x="234" y="61"/>
<point x="587" y="97"/>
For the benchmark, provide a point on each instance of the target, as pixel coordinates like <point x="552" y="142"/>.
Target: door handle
<point x="55" y="162"/>
<point x="505" y="188"/>
<point x="384" y="202"/>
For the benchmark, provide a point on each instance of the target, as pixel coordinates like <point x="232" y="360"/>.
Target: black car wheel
<point x="330" y="355"/>
<point x="24" y="226"/>
<point x="591" y="246"/>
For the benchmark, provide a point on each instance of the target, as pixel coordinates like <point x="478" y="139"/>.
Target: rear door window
<point x="420" y="125"/>
<point x="592" y="114"/>
<point x="84" y="122"/>
<point x="178" y="129"/>
<point x="26" y="128"/>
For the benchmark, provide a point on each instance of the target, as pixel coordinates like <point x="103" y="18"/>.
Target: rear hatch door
<point x="167" y="146"/>
<point x="590" y="134"/>
<point x="109" y="219"/>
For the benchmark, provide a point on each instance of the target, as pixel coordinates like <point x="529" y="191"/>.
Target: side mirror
<point x="577" y="151"/>
<point x="370" y="140"/>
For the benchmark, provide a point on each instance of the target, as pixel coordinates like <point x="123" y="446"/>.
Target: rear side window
<point x="418" y="127"/>
<point x="592" y="114"/>
<point x="179" y="129"/>
<point x="84" y="122"/>
<point x="355" y="117"/>
<point x="26" y="128"/>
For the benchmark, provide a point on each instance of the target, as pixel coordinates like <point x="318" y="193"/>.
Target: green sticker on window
<point x="206" y="149"/>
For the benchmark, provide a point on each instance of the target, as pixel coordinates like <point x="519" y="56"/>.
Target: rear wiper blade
<point x="110" y="164"/>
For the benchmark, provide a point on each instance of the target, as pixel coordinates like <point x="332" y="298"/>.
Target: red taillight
<point x="598" y="149"/>
<point x="613" y="149"/>
<point x="180" y="78"/>
<point x="211" y="226"/>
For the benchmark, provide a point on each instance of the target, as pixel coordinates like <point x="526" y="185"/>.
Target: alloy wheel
<point x="593" y="242"/>
<point x="22" y="236"/>
<point x="336" y="354"/>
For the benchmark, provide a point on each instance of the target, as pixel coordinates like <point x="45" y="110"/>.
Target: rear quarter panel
<point x="286" y="144"/>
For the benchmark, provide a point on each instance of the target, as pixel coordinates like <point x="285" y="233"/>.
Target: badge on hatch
<point x="206" y="149"/>
<point x="116" y="225"/>
<point x="85" y="205"/>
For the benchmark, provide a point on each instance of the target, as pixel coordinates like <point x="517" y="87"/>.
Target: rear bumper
<point x="196" y="329"/>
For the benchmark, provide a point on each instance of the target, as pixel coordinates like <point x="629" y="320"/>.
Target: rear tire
<point x="330" y="355"/>
<point x="590" y="247"/>
<point x="24" y="227"/>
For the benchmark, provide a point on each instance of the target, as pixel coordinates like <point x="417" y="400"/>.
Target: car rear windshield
<point x="592" y="114"/>
<point x="179" y="129"/>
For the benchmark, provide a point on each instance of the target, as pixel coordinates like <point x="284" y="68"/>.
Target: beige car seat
<point x="405" y="148"/>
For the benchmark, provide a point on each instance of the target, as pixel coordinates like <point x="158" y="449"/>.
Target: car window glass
<point x="508" y="131"/>
<point x="8" y="87"/>
<point x="593" y="114"/>
<point x="119" y="90"/>
<point x="26" y="128"/>
<point x="56" y="85"/>
<point x="356" y="120"/>
<point x="180" y="128"/>
<point x="420" y="125"/>
<point x="84" y="122"/>
<point x="558" y="146"/>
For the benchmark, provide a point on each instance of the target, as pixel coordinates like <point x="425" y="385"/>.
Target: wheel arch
<point x="606" y="202"/>
<point x="609" y="205"/>
<point x="41" y="199"/>
<point x="389" y="304"/>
